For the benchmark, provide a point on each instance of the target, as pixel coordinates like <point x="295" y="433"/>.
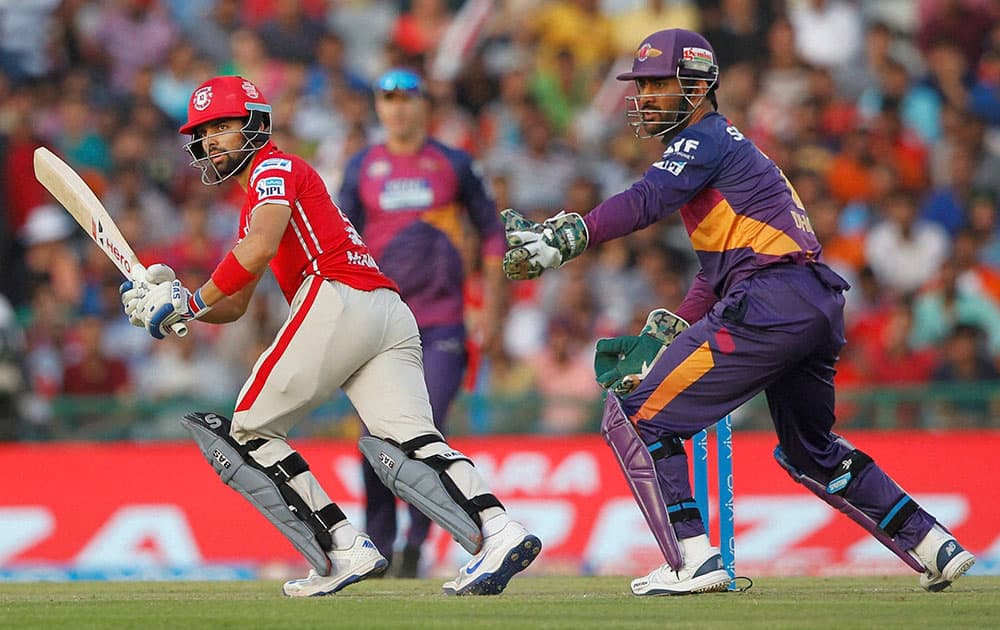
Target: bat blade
<point x="82" y="204"/>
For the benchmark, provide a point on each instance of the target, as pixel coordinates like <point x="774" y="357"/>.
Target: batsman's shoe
<point x="944" y="558"/>
<point x="505" y="553"/>
<point x="347" y="566"/>
<point x="701" y="575"/>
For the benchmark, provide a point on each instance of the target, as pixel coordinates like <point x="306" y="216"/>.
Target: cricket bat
<point x="80" y="201"/>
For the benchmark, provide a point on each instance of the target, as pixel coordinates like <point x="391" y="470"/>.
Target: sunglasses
<point x="400" y="81"/>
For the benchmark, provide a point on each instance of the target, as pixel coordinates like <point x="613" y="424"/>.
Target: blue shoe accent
<point x="712" y="564"/>
<point x="946" y="553"/>
<point x="353" y="579"/>
<point x="516" y="560"/>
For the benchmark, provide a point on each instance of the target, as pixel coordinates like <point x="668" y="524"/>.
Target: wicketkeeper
<point x="765" y="314"/>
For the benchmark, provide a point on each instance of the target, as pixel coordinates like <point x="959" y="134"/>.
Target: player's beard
<point x="231" y="163"/>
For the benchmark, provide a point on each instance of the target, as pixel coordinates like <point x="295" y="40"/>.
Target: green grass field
<point x="530" y="602"/>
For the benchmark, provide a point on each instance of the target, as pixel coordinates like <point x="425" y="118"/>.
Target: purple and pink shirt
<point x="414" y="212"/>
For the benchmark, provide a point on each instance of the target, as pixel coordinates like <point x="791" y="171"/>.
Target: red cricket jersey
<point x="319" y="240"/>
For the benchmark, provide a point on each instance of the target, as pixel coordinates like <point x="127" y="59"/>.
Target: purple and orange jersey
<point x="412" y="212"/>
<point x="740" y="211"/>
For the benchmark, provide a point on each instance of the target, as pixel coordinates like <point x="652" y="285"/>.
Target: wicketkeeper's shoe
<point x="944" y="558"/>
<point x="504" y="553"/>
<point x="347" y="566"/>
<point x="698" y="575"/>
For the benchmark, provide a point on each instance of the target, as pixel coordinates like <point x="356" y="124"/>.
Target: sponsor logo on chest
<point x="413" y="193"/>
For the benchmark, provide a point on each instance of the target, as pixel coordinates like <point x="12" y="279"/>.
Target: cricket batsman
<point x="346" y="328"/>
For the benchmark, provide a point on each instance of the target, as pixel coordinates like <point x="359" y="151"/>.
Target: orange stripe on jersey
<point x="690" y="370"/>
<point x="448" y="219"/>
<point x="279" y="348"/>
<point x="723" y="230"/>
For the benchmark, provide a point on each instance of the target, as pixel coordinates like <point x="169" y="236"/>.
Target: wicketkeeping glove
<point x="535" y="247"/>
<point x="622" y="362"/>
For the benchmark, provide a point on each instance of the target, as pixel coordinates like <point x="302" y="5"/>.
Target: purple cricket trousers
<point x="778" y="331"/>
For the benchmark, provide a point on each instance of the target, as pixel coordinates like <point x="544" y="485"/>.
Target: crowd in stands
<point x="885" y="116"/>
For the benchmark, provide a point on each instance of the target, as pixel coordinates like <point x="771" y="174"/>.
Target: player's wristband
<point x="230" y="276"/>
<point x="196" y="305"/>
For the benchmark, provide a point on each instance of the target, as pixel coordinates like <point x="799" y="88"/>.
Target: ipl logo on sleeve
<point x="271" y="187"/>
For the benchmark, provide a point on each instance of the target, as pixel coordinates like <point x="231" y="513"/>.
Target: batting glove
<point x="170" y="303"/>
<point x="135" y="292"/>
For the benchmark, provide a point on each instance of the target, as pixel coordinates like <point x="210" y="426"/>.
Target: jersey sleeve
<point x="349" y="197"/>
<point x="273" y="181"/>
<point x="474" y="195"/>
<point x="688" y="164"/>
<point x="698" y="300"/>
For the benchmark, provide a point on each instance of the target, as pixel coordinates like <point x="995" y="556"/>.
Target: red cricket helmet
<point x="224" y="97"/>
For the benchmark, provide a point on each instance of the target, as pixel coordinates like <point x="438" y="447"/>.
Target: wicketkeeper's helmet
<point x="674" y="52"/>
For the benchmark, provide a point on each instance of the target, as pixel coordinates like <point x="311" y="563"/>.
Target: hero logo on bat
<point x="97" y="232"/>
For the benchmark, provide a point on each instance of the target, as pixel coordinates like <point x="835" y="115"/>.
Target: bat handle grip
<point x="138" y="274"/>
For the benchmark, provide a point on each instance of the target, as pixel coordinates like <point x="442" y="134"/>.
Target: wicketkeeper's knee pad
<point x="417" y="472"/>
<point x="266" y="487"/>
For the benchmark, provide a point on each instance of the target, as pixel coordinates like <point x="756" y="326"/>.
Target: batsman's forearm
<point x="227" y="308"/>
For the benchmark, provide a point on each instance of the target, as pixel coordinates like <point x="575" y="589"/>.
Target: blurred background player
<point x="420" y="205"/>
<point x="765" y="315"/>
<point x="346" y="328"/>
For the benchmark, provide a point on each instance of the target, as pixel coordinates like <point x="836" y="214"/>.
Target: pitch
<point x="530" y="602"/>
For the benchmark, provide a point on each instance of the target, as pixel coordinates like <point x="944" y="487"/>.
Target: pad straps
<point x="319" y="521"/>
<point x="848" y="470"/>
<point x="440" y="463"/>
<point x="661" y="450"/>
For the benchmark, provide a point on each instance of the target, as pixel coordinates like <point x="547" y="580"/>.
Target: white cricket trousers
<point x="365" y="342"/>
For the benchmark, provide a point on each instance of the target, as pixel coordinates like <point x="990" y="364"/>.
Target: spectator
<point x="737" y="30"/>
<point x="291" y="35"/>
<point x="89" y="371"/>
<point x="948" y="303"/>
<point x="903" y="250"/>
<point x="26" y="45"/>
<point x="562" y="89"/>
<point x="540" y="171"/>
<point x="577" y="26"/>
<point x="919" y="104"/>
<point x="655" y="15"/>
<point x="13" y="379"/>
<point x="211" y="32"/>
<point x="134" y="34"/>
<point x="565" y="379"/>
<point x="948" y="205"/>
<point x="961" y="21"/>
<point x="173" y="83"/>
<point x="967" y="370"/>
<point x="828" y="33"/>
<point x="984" y="98"/>
<point x="419" y="31"/>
